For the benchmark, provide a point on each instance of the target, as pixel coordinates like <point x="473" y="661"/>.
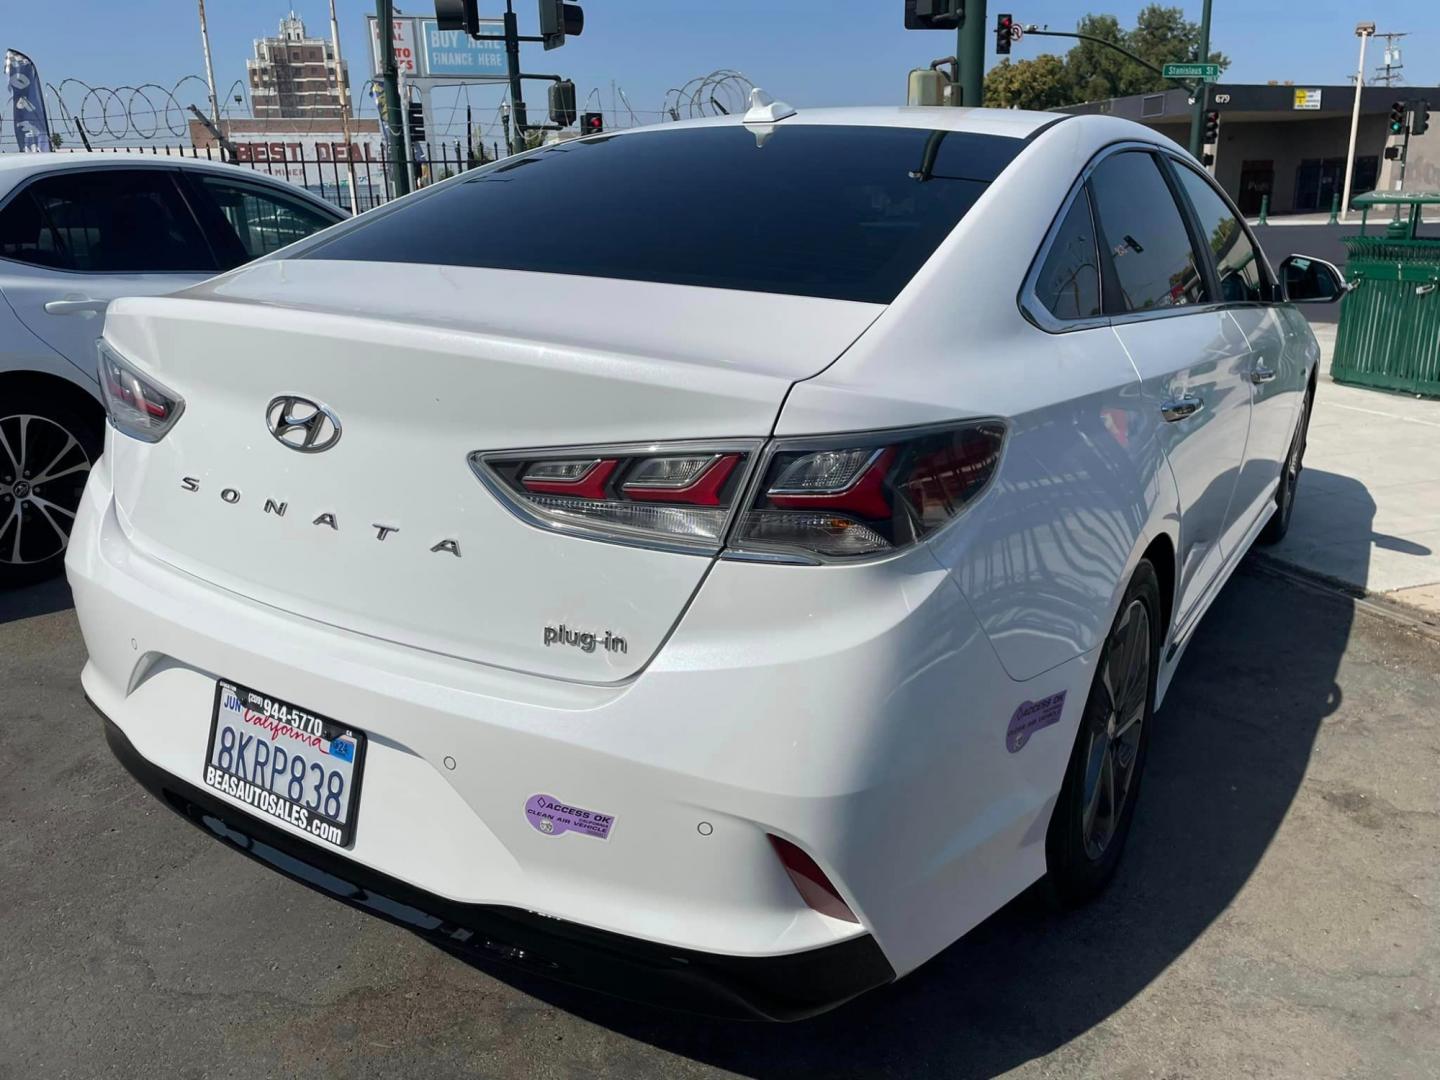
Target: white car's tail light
<point x="137" y="405"/>
<point x="679" y="496"/>
<point x="857" y="496"/>
<point x="813" y="500"/>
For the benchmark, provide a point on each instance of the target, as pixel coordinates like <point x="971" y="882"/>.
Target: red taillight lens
<point x="136" y="404"/>
<point x="808" y="500"/>
<point x="677" y="495"/>
<point x="810" y="881"/>
<point x="859" y="496"/>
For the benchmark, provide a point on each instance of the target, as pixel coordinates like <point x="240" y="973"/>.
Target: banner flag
<point x="32" y="129"/>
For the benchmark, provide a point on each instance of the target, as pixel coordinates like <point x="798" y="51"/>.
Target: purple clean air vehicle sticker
<point x="552" y="817"/>
<point x="1030" y="717"/>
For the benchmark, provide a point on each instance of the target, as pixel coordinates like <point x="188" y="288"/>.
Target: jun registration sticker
<point x="286" y="762"/>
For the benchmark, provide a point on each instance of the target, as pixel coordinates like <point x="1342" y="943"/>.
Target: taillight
<point x="678" y="496"/>
<point x="812" y="500"/>
<point x="863" y="496"/>
<point x="137" y="405"/>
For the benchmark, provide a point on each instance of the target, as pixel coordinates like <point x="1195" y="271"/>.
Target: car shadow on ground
<point x="43" y="599"/>
<point x="1228" y="753"/>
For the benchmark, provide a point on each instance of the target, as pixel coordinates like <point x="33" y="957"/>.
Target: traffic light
<point x="562" y="103"/>
<point x="417" y="122"/>
<point x="592" y="123"/>
<point x="1212" y="127"/>
<point x="1003" y="25"/>
<point x="458" y="15"/>
<point x="557" y="19"/>
<point x="933" y="14"/>
<point x="1397" y="117"/>
<point x="1420" y="118"/>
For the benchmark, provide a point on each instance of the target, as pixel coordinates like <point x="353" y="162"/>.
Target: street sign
<point x="454" y="52"/>
<point x="1307" y="99"/>
<point x="407" y="57"/>
<point x="1205" y="72"/>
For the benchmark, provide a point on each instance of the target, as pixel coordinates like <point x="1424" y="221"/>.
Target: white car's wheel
<point x="46" y="451"/>
<point x="1279" y="523"/>
<point x="1097" y="799"/>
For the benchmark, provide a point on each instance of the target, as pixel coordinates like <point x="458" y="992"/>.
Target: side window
<point x="27" y="237"/>
<point x="1146" y="245"/>
<point x="121" y="221"/>
<point x="264" y="220"/>
<point x="1069" y="281"/>
<point x="1242" y="275"/>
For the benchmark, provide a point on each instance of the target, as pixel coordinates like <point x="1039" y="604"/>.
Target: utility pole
<point x="342" y="79"/>
<point x="1202" y="92"/>
<point x="970" y="53"/>
<point x="209" y="67"/>
<point x="393" y="119"/>
<point x="1393" y="65"/>
<point x="1364" y="31"/>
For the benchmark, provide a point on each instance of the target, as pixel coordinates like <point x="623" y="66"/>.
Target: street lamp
<point x="1364" y="31"/>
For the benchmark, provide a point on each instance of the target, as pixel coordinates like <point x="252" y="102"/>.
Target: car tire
<point x="1279" y="523"/>
<point x="47" y="447"/>
<point x="1097" y="798"/>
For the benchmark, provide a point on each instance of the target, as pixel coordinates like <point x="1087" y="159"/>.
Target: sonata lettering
<point x="232" y="496"/>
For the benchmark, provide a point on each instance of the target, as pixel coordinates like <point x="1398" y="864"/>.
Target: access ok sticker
<point x="1030" y="717"/>
<point x="552" y="817"/>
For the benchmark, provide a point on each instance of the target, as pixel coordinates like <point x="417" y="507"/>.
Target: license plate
<point x="286" y="762"/>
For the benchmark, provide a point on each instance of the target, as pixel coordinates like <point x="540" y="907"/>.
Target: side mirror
<point x="1307" y="280"/>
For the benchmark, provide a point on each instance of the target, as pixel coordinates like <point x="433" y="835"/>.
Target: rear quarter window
<point x="844" y="212"/>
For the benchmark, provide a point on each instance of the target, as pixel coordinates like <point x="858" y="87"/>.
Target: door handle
<point x="1180" y="408"/>
<point x="76" y="305"/>
<point x="1260" y="373"/>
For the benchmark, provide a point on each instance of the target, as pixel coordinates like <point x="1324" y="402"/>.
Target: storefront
<point x="1285" y="141"/>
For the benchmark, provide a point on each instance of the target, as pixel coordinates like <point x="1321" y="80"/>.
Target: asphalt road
<point x="1277" y="914"/>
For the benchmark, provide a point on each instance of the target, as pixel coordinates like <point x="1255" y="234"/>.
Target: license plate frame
<point x="282" y="720"/>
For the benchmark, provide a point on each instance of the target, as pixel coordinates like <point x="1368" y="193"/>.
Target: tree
<point x="1161" y="35"/>
<point x="1041" y="83"/>
<point x="1091" y="71"/>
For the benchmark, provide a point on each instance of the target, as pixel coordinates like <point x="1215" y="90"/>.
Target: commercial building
<point x="314" y="155"/>
<point x="1285" y="141"/>
<point x="295" y="77"/>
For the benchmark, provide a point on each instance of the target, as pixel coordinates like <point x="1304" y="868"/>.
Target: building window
<point x="1257" y="179"/>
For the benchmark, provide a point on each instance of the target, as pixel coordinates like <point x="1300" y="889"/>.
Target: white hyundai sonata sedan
<point x="717" y="564"/>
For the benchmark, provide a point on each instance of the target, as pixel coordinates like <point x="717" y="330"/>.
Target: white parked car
<point x="729" y="601"/>
<point x="76" y="231"/>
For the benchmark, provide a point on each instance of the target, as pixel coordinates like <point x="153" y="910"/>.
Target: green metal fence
<point x="1389" y="333"/>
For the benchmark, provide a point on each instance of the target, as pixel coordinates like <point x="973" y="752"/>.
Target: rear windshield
<point x="814" y="210"/>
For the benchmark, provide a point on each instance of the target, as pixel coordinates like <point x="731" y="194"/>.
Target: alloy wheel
<point x="43" y="468"/>
<point x="1118" y="715"/>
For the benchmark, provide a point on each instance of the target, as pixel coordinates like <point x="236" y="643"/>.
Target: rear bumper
<point x="858" y="713"/>
<point x="786" y="987"/>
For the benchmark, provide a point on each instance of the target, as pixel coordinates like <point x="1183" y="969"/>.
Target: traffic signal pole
<point x="970" y="53"/>
<point x="518" y="119"/>
<point x="393" y="120"/>
<point x="1202" y="92"/>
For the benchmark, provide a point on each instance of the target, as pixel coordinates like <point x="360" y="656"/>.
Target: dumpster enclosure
<point x="1389" y="332"/>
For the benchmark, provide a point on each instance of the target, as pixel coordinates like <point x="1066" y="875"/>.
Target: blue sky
<point x="807" y="52"/>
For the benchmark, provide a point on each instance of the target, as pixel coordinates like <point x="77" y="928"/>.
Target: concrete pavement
<point x="1368" y="512"/>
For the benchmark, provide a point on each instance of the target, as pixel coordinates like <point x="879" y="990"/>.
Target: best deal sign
<point x="407" y="59"/>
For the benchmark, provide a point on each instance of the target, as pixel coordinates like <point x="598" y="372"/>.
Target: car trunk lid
<point x="388" y="532"/>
